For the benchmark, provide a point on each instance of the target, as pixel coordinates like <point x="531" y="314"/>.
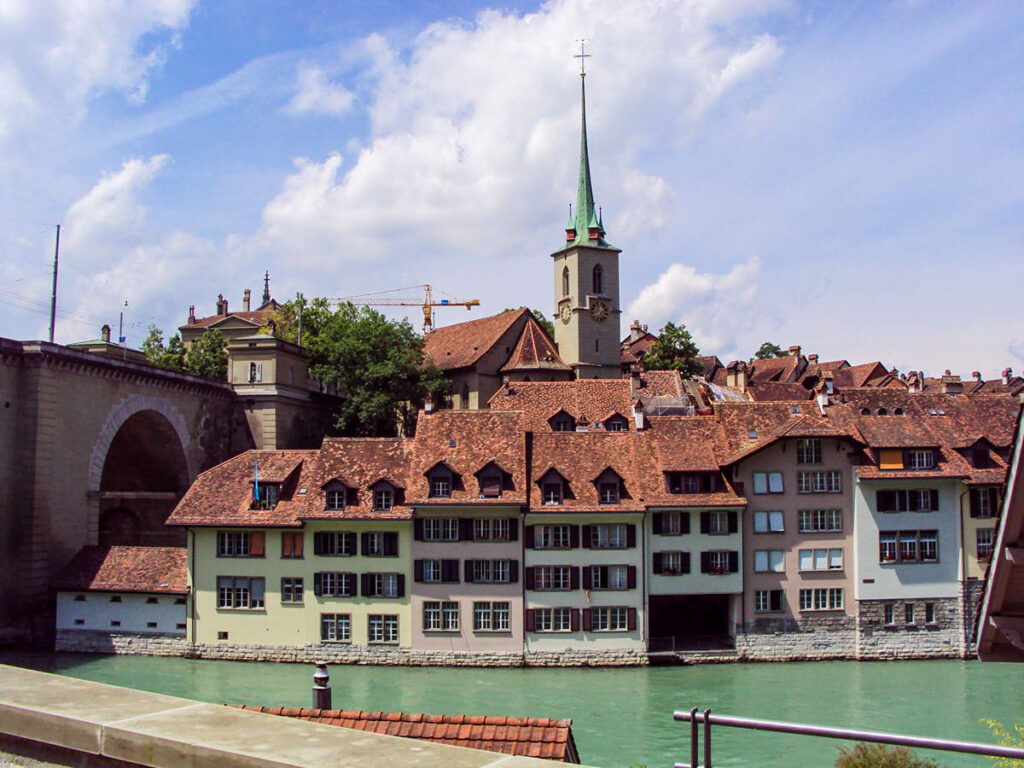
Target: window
<point x="440" y="616"/>
<point x="492" y="529"/>
<point x="491" y="617"/>
<point x="255" y="372"/>
<point x="335" y="628"/>
<point x="388" y="585"/>
<point x="821" y="481"/>
<point x="768" y="522"/>
<point x="440" y="529"/>
<point x="769" y="560"/>
<point x="334" y="584"/>
<point x="908" y="546"/>
<point x="768" y="482"/>
<point x="240" y="544"/>
<point x="79" y="598"/>
<point x="115" y="598"/>
<point x="671" y="563"/>
<point x="808" y="451"/>
<point x="383" y="499"/>
<point x="492" y="571"/>
<point x="552" y="620"/>
<point x="821" y="559"/>
<point x="265" y="495"/>
<point x="616" y="423"/>
<point x="490" y="486"/>
<point x="768" y="601"/>
<point x="929" y="613"/>
<point x="609" y="620"/>
<point x="598" y="280"/>
<point x="984" y="502"/>
<point x="606" y="577"/>
<point x="819" y="520"/>
<point x="552" y="537"/>
<point x="918" y="459"/>
<point x="890" y="458"/>
<point x="609" y="536"/>
<point x="440" y="486"/>
<point x="671" y="523"/>
<point x="152" y="601"/>
<point x="242" y="592"/>
<point x="889" y="613"/>
<point x="334" y="543"/>
<point x="907" y="500"/>
<point x="552" y="577"/>
<point x="565" y="281"/>
<point x="608" y="493"/>
<point x="552" y="491"/>
<point x="690" y="482"/>
<point x="336" y="498"/>
<point x="718" y="522"/>
<point x="821" y="599"/>
<point x="719" y="562"/>
<point x="382" y="628"/>
<point x="984" y="542"/>
<point x="291" y="544"/>
<point x="291" y="589"/>
<point x="908" y="613"/>
<point x="562" y="422"/>
<point x="380" y="544"/>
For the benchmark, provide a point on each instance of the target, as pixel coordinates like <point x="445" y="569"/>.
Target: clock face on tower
<point x="565" y="312"/>
<point x="599" y="311"/>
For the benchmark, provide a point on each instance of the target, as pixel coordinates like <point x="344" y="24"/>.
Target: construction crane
<point x="381" y="299"/>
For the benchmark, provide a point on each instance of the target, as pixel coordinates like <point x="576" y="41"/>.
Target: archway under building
<point x="145" y="473"/>
<point x="689" y="622"/>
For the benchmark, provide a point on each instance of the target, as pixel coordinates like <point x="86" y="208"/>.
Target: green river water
<point x="621" y="717"/>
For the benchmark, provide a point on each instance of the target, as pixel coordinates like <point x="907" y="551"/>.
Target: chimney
<point x="192" y="315"/>
<point x="736" y="375"/>
<point x="794" y="351"/>
<point x="914" y="382"/>
<point x="812" y="358"/>
<point x="830" y="382"/>
<point x="636" y="330"/>
<point x="976" y="375"/>
<point x="321" y="686"/>
<point x="1007" y="375"/>
<point x="105" y="333"/>
<point x="951" y="385"/>
<point x="428" y="403"/>
<point x="506" y="384"/>
<point x="245" y="299"/>
<point x="582" y="425"/>
<point x="634" y="381"/>
<point x="221" y="310"/>
<point x="638" y="415"/>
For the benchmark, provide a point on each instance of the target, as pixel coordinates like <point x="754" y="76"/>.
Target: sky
<point x="842" y="176"/>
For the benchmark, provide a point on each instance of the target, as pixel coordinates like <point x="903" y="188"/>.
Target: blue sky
<point x="844" y="176"/>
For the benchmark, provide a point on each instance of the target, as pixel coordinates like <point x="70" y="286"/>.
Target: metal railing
<point x="693" y="717"/>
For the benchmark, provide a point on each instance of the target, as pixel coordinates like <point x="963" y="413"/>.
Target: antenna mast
<point x="53" y="295"/>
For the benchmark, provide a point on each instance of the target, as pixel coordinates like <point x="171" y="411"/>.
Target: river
<point x="621" y="717"/>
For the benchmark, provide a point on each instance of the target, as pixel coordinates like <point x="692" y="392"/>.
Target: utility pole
<point x="53" y="295"/>
<point x="120" y="330"/>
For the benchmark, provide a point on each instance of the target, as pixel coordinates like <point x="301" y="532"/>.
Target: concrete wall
<point x="133" y="612"/>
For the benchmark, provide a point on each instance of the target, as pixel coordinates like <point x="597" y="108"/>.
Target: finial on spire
<point x="266" y="287"/>
<point x="582" y="56"/>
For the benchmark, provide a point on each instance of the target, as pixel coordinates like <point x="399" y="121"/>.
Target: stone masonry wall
<point x="973" y="592"/>
<point x="943" y="638"/>
<point x="122" y="643"/>
<point x="812" y="637"/>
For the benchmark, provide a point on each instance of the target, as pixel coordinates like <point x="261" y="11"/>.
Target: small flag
<point x="256" y="479"/>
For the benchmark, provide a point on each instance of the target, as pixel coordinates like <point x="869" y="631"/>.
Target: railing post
<point x="707" y="738"/>
<point x="693" y="738"/>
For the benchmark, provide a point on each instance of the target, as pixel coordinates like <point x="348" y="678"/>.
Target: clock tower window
<point x="598" y="279"/>
<point x="565" y="281"/>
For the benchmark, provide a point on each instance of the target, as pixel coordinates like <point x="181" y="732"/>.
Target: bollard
<point x="321" y="687"/>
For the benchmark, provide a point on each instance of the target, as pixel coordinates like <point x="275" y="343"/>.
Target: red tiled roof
<point x="258" y="317"/>
<point x="126" y="569"/>
<point x="362" y="462"/>
<point x="534" y="351"/>
<point x="539" y="401"/>
<point x="779" y="391"/>
<point x="522" y="736"/>
<point x="462" y="344"/>
<point x="787" y="368"/>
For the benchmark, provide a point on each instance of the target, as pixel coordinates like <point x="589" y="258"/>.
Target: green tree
<point x="769" y="350"/>
<point x="675" y="350"/>
<point x="1008" y="738"/>
<point x="547" y="325"/>
<point x="207" y="356"/>
<point x="284" y="323"/>
<point x="170" y="356"/>
<point x="863" y="755"/>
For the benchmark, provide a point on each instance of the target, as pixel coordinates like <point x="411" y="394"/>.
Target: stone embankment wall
<point x="123" y="643"/>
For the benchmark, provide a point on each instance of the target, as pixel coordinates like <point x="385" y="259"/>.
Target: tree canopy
<point x="769" y="350"/>
<point x="675" y="350"/>
<point x="206" y="356"/>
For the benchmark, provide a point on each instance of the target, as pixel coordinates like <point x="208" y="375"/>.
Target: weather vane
<point x="582" y="56"/>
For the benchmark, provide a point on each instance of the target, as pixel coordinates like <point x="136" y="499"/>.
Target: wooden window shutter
<point x="465" y="529"/>
<point x="631" y="619"/>
<point x="513" y="529"/>
<point x="586" y="619"/>
<point x="975" y="500"/>
<point x="528" y="536"/>
<point x="657" y="566"/>
<point x="417" y="529"/>
<point x="574" y="614"/>
<point x="297" y="539"/>
<point x="734" y="562"/>
<point x="364" y="543"/>
<point x="364" y="587"/>
<point x="467" y="570"/>
<point x="993" y="501"/>
<point x="934" y="499"/>
<point x="705" y="522"/>
<point x="588" y="576"/>
<point x="684" y="565"/>
<point x="318" y="543"/>
<point x="529" y="622"/>
<point x="885" y="501"/>
<point x="257" y="543"/>
<point x="401" y="585"/>
<point x="574" y="577"/>
<point x="684" y="522"/>
<point x="513" y="572"/>
<point x="350" y="544"/>
<point x="631" y="535"/>
<point x="390" y="541"/>
<point x="631" y="577"/>
<point x="733" y="521"/>
<point x="890" y="458"/>
<point x="656" y="522"/>
<point x="574" y="536"/>
<point x="318" y="583"/>
<point x="705" y="562"/>
<point x="450" y="571"/>
<point x="287" y="544"/>
<point x="586" y="536"/>
<point x="417" y="570"/>
<point x="528" y="577"/>
<point x="349" y="585"/>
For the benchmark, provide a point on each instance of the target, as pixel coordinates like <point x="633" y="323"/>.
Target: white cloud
<point x="317" y="95"/>
<point x="717" y="309"/>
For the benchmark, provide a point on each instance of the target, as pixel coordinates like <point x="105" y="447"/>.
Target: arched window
<point x="598" y="279"/>
<point x="565" y="281"/>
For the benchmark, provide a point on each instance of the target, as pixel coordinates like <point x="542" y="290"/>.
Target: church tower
<point x="586" y="276"/>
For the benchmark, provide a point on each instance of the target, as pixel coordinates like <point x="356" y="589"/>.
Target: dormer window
<point x="616" y="423"/>
<point x="921" y="459"/>
<point x="609" y="493"/>
<point x="690" y="482"/>
<point x="562" y="422"/>
<point x="490" y="486"/>
<point x="980" y="458"/>
<point x="552" y="492"/>
<point x="440" y="480"/>
<point x="265" y="495"/>
<point x="383" y="498"/>
<point x="336" y="498"/>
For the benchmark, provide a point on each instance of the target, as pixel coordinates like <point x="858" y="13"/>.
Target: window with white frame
<point x="768" y="482"/>
<point x="908" y="613"/>
<point x="552" y="577"/>
<point x="609" y="577"/>
<point x="291" y="589"/>
<point x="233" y="544"/>
<point x="768" y="521"/>
<point x="335" y="627"/>
<point x="334" y="543"/>
<point x="383" y="499"/>
<point x="382" y="628"/>
<point x="808" y="451"/>
<point x="889" y="613"/>
<point x="921" y="459"/>
<point x="769" y="560"/>
<point x="608" y="536"/>
<point x="432" y="571"/>
<point x="552" y="492"/>
<point x="719" y="561"/>
<point x="609" y="619"/>
<point x="908" y="546"/>
<point x="929" y="613"/>
<point x="821" y="559"/>
<point x="552" y="620"/>
<point x="984" y="538"/>
<point x="718" y="522"/>
<point x="240" y="592"/>
<point x="383" y="584"/>
<point x="671" y="563"/>
<point x="768" y="600"/>
<point x="440" y="529"/>
<point x="821" y="599"/>
<point x="984" y="502"/>
<point x="819" y="481"/>
<point x="608" y="492"/>
<point x="334" y="584"/>
<point x="491" y="571"/>
<point x="819" y="520"/>
<point x="672" y="523"/>
<point x="491" y="616"/>
<point x="440" y="486"/>
<point x="551" y="537"/>
<point x="336" y="498"/>
<point x="491" y="529"/>
<point x="440" y="616"/>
